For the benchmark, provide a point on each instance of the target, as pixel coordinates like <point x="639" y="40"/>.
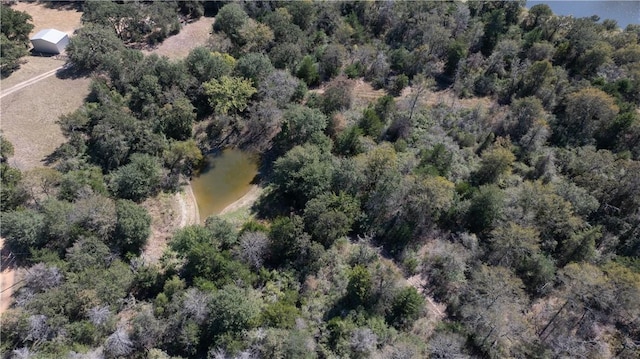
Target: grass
<point x="29" y="115"/>
<point x="65" y="19"/>
<point x="190" y="36"/>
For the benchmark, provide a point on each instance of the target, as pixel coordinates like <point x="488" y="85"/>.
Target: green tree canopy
<point x="229" y="93"/>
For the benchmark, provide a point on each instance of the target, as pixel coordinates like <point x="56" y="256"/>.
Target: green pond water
<point x="225" y="178"/>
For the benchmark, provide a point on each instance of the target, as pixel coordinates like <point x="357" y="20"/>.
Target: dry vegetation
<point x="191" y="36"/>
<point x="28" y="117"/>
<point x="66" y="19"/>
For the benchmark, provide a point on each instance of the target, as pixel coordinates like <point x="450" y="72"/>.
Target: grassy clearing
<point x="165" y="219"/>
<point x="29" y="115"/>
<point x="32" y="67"/>
<point x="66" y="19"/>
<point x="190" y="36"/>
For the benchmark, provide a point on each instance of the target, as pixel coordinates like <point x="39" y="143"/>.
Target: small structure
<point x="50" y="41"/>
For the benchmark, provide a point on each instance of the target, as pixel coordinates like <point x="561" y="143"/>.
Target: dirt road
<point x="29" y="82"/>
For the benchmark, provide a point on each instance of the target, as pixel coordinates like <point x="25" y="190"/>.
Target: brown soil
<point x="190" y="36"/>
<point x="245" y="201"/>
<point x="7" y="280"/>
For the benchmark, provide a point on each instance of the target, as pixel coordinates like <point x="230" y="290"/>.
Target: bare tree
<point x="99" y="315"/>
<point x="22" y="353"/>
<point x="118" y="344"/>
<point x="195" y="304"/>
<point x="363" y="342"/>
<point x="253" y="248"/>
<point x="41" y="277"/>
<point x="39" y="329"/>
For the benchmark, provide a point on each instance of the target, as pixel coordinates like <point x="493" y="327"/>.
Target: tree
<point x="280" y="87"/>
<point x="10" y="54"/>
<point x="176" y="119"/>
<point x="457" y="51"/>
<point x="338" y="96"/>
<point x="205" y="65"/>
<point x="229" y="93"/>
<point x="286" y="56"/>
<point x="15" y="25"/>
<point x="299" y="125"/>
<point x="493" y="311"/>
<point x="233" y="310"/>
<point x="255" y="36"/>
<point x="137" y="180"/>
<point x="495" y="163"/>
<point x="183" y="157"/>
<point x="359" y="287"/>
<point x="22" y="230"/>
<point x="222" y="230"/>
<point x="93" y="48"/>
<point x="486" y="207"/>
<point x="284" y="29"/>
<point x="118" y="344"/>
<point x="303" y="173"/>
<point x="255" y="67"/>
<point x="14" y="38"/>
<point x="331" y="61"/>
<point x="254" y="249"/>
<point x="96" y="215"/>
<point x="329" y="216"/>
<point x="230" y="19"/>
<point x="518" y="247"/>
<point x="406" y="307"/>
<point x="132" y="227"/>
<point x="588" y="112"/>
<point x="308" y="71"/>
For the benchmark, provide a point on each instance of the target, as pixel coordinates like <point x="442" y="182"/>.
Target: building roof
<point x="49" y="35"/>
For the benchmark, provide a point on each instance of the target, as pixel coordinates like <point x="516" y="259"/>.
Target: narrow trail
<point x="7" y="281"/>
<point x="31" y="81"/>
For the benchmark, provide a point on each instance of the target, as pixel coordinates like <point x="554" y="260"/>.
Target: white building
<point x="50" y="41"/>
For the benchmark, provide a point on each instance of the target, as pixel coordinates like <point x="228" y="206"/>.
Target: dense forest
<point x="500" y="220"/>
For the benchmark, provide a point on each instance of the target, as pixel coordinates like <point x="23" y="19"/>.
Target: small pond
<point x="225" y="178"/>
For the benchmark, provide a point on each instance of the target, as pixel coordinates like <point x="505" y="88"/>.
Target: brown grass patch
<point x="364" y="94"/>
<point x="32" y="67"/>
<point x="29" y="115"/>
<point x="165" y="218"/>
<point x="190" y="36"/>
<point x="63" y="19"/>
<point x="168" y="212"/>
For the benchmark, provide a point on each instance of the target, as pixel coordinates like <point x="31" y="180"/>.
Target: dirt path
<point x="29" y="82"/>
<point x="7" y="280"/>
<point x="419" y="283"/>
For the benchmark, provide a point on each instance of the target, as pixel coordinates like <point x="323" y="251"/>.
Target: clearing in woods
<point x="191" y="35"/>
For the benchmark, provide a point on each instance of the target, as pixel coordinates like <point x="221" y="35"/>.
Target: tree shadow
<point x="62" y="5"/>
<point x="71" y="72"/>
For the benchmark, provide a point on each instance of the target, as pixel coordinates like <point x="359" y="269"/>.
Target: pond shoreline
<point x="247" y="200"/>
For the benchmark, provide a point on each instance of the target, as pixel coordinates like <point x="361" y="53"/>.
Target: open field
<point x="29" y="115"/>
<point x="64" y="19"/>
<point x="33" y="66"/>
<point x="190" y="36"/>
